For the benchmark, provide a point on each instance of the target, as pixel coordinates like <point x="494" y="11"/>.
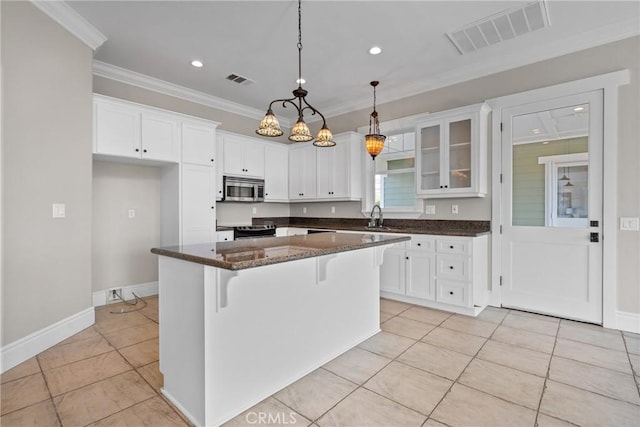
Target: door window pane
<point x="543" y="146"/>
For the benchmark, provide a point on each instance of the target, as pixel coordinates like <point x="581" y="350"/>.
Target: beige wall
<point x="615" y="56"/>
<point x="47" y="159"/>
<point x="120" y="245"/>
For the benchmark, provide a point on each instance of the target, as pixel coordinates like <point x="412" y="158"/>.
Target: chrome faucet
<point x="372" y="221"/>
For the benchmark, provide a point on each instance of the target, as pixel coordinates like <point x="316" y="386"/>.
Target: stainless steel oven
<point x="238" y="189"/>
<point x="253" y="231"/>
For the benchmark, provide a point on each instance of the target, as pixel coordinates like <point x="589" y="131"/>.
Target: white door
<point x="552" y="207"/>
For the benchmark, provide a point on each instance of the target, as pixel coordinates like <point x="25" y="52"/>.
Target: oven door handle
<point x="255" y="192"/>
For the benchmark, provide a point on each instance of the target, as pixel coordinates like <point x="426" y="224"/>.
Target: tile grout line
<point x="46" y="383"/>
<point x="633" y="373"/>
<point x="454" y="382"/>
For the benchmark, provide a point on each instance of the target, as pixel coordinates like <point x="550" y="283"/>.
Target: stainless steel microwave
<point x="239" y="189"/>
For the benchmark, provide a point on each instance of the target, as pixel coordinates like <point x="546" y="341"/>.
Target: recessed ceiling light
<point x="578" y="109"/>
<point x="535" y="130"/>
<point x="375" y="50"/>
<point x="301" y="81"/>
<point x="197" y="63"/>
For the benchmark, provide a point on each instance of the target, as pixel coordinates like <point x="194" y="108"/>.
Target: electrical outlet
<point x="113" y="295"/>
<point x="454" y="209"/>
<point x="255" y="210"/>
<point x="430" y="210"/>
<point x="333" y="209"/>
<point x="304" y="210"/>
<point x="132" y="213"/>
<point x="59" y="210"/>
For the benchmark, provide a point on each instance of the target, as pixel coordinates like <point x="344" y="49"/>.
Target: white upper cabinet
<point x="276" y="173"/>
<point x="198" y="204"/>
<point x="451" y="153"/>
<point x="302" y="172"/>
<point x="198" y="143"/>
<point x="339" y="172"/>
<point x="243" y="157"/>
<point x="126" y="130"/>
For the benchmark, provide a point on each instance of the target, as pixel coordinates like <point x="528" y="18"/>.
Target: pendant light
<point x="269" y="125"/>
<point x="374" y="141"/>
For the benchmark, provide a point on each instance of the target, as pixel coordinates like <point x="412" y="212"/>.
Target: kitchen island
<point x="241" y="320"/>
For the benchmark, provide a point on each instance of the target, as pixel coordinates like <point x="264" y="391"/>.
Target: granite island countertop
<point x="250" y="253"/>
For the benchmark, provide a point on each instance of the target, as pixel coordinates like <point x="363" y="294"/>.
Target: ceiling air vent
<point x="503" y="26"/>
<point x="236" y="78"/>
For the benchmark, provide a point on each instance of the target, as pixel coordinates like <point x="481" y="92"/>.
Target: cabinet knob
<point x="406" y="257"/>
<point x="144" y="151"/>
<point x="419" y="244"/>
<point x="446" y="186"/>
<point x="212" y="160"/>
<point x="137" y="150"/>
<point x="219" y="191"/>
<point x="213" y="207"/>
<point x="441" y="186"/>
<point x="451" y="267"/>
<point x="451" y="247"/>
<point x="450" y="292"/>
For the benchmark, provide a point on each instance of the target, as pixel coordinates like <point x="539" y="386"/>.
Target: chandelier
<point x="269" y="126"/>
<point x="374" y="141"/>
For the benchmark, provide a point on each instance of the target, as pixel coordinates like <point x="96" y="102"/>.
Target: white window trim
<point x="390" y="127"/>
<point x="608" y="83"/>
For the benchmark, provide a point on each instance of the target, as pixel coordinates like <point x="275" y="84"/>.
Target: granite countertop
<point x="404" y="226"/>
<point x="250" y="253"/>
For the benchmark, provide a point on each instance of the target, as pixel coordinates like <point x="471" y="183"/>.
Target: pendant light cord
<point x="299" y="43"/>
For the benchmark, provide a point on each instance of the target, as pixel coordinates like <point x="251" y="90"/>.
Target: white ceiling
<point x="257" y="39"/>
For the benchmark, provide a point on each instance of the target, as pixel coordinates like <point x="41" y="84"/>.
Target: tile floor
<point x="426" y="368"/>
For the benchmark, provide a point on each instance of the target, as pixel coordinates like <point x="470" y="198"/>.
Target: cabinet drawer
<point x="458" y="247"/>
<point x="422" y="243"/>
<point x="452" y="267"/>
<point x="455" y="293"/>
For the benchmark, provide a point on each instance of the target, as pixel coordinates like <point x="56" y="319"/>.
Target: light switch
<point x="254" y="210"/>
<point x="132" y="213"/>
<point x="59" y="210"/>
<point x="333" y="209"/>
<point x="454" y="209"/>
<point x="304" y="210"/>
<point x="629" y="224"/>
<point x="430" y="209"/>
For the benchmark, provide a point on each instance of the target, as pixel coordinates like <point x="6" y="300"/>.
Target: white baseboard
<point x="629" y="322"/>
<point x="142" y="290"/>
<point x="25" y="348"/>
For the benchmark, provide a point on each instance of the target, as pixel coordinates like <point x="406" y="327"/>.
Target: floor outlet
<point x="113" y="295"/>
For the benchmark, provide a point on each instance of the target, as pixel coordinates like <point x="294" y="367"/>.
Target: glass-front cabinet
<point x="452" y="153"/>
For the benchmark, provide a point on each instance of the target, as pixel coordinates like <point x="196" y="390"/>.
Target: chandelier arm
<point x="284" y="103"/>
<point x="314" y="110"/>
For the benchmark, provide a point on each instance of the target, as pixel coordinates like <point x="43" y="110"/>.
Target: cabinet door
<point x="276" y="176"/>
<point x="340" y="170"/>
<point x="233" y="156"/>
<point x="458" y="136"/>
<point x="198" y="144"/>
<point x="392" y="270"/>
<point x="302" y="173"/>
<point x="253" y="159"/>
<point x="219" y="166"/>
<point x="308" y="172"/>
<point x="198" y="204"/>
<point x="324" y="165"/>
<point x="160" y="138"/>
<point x="421" y="274"/>
<point x="117" y="130"/>
<point x="431" y="138"/>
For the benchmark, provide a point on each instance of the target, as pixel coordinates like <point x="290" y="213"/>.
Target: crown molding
<point x="582" y="41"/>
<point x="71" y="20"/>
<point x="123" y="75"/>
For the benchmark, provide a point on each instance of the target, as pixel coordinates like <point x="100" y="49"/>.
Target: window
<point x="395" y="174"/>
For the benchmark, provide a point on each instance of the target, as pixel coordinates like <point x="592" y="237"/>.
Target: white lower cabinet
<point x="443" y="272"/>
